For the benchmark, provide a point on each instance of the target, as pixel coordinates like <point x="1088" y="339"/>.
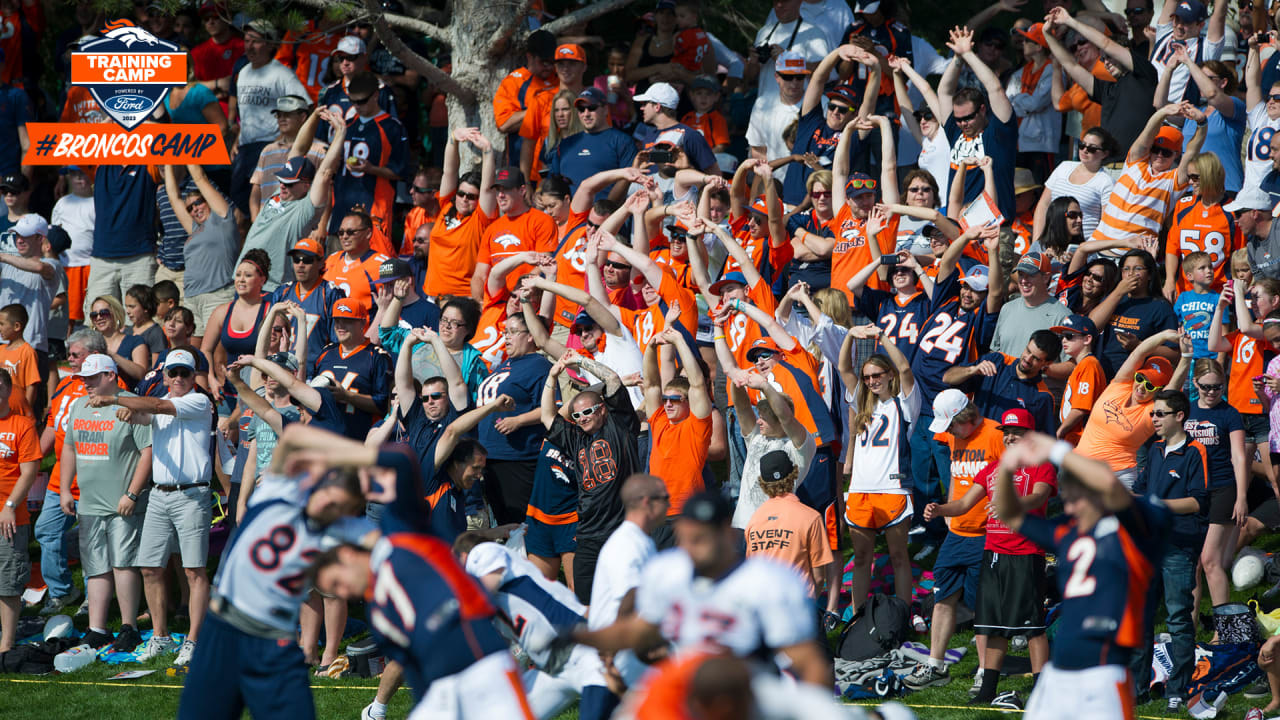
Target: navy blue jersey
<point x="448" y="506"/>
<point x="521" y="378"/>
<point x="422" y="313"/>
<point x="901" y="319"/>
<point x="950" y="336"/>
<point x="318" y="305"/>
<point x="366" y="370"/>
<point x="1005" y="391"/>
<point x="381" y="141"/>
<point x="329" y="416"/>
<point x="336" y="99"/>
<point x="818" y="272"/>
<point x="554" y="499"/>
<point x="580" y="156"/>
<point x="1103" y="577"/>
<point x="813" y="135"/>
<point x="124" y="203"/>
<point x="15" y="113"/>
<point x="427" y="613"/>
<point x="1213" y="427"/>
<point x="1173" y="475"/>
<point x="998" y="141"/>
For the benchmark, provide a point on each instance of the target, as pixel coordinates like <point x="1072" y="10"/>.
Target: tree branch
<point x="412" y="60"/>
<point x="500" y="42"/>
<point x="577" y="17"/>
<point x="435" y="32"/>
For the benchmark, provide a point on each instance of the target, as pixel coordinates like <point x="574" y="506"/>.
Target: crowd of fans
<point x="845" y="267"/>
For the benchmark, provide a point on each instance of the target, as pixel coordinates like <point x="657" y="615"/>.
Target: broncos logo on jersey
<point x="507" y="240"/>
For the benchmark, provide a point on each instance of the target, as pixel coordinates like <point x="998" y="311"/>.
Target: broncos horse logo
<point x="128" y="33"/>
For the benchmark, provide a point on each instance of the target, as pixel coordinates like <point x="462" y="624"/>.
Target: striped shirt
<point x="174" y="237"/>
<point x="1091" y="196"/>
<point x="1139" y="202"/>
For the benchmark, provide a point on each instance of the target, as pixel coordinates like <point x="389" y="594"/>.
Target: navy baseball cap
<point x="729" y="277"/>
<point x="1191" y="11"/>
<point x="590" y="96"/>
<point x="1076" y="324"/>
<point x="708" y="508"/>
<point x="296" y="170"/>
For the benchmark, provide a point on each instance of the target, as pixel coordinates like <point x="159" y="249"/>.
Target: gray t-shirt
<point x="1018" y="322"/>
<point x="211" y="254"/>
<point x="261" y="431"/>
<point x="32" y="291"/>
<point x="1264" y="253"/>
<point x="107" y="451"/>
<point x="278" y="227"/>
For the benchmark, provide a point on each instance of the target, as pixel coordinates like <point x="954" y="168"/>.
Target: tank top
<point x="237" y="344"/>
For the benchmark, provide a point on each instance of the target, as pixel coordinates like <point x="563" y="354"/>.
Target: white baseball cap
<point x="180" y="358"/>
<point x="978" y="278"/>
<point x="95" y="364"/>
<point x="31" y="224"/>
<point x="1250" y="198"/>
<point x="350" y="45"/>
<point x="661" y="93"/>
<point x="946" y="406"/>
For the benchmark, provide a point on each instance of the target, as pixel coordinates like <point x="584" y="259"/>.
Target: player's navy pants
<point x="232" y="669"/>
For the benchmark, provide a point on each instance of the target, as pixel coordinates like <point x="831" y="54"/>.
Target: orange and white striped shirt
<point x="1139" y="202"/>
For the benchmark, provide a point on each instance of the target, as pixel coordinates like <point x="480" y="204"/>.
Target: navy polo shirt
<point x="1179" y="473"/>
<point x="580" y="156"/>
<point x="1006" y="391"/>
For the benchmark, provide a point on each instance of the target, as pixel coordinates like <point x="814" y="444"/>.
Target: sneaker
<point x="1175" y="704"/>
<point x="184" y="654"/>
<point x="1007" y="700"/>
<point x="926" y="675"/>
<point x="95" y="639"/>
<point x="128" y="640"/>
<point x="55" y="605"/>
<point x="368" y="714"/>
<point x="156" y="647"/>
<point x="1259" y="689"/>
<point x="977" y="684"/>
<point x="916" y="530"/>
<point x="924" y="552"/>
<point x="1253" y="714"/>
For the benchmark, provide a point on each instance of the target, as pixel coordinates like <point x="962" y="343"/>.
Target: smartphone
<point x="889" y="260"/>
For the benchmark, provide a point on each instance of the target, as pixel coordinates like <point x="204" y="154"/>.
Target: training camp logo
<point x="133" y="70"/>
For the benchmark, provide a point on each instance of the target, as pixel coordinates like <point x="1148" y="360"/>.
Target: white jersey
<point x="1257" y="153"/>
<point x="537" y="607"/>
<point x="262" y="571"/>
<point x="761" y="605"/>
<point x="881" y="456"/>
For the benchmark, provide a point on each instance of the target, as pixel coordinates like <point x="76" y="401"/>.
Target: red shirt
<point x="1000" y="539"/>
<point x="212" y="60"/>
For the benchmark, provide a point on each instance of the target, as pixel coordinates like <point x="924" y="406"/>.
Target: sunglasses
<point x="1138" y="379"/>
<point x="1075" y="47"/>
<point x="99" y="314"/>
<point x="673" y="399"/>
<point x="1193" y="177"/>
<point x="1273" y="98"/>
<point x="839" y="109"/>
<point x="361" y="101"/>
<point x="860" y="184"/>
<point x="1134" y="11"/>
<point x="179" y="372"/>
<point x="868" y="377"/>
<point x="1162" y="152"/>
<point x="663" y="498"/>
<point x="820" y="194"/>
<point x="1096" y="278"/>
<point x="344" y="232"/>
<point x="791" y="78"/>
<point x="1073" y="214"/>
<point x="919" y="189"/>
<point x="343" y="56"/>
<point x="679" y="237"/>
<point x="432" y="396"/>
<point x="923" y="115"/>
<point x="1091" y="148"/>
<point x="1068" y="337"/>
<point x="586" y="413"/>
<point x="1210" y="388"/>
<point x="1161" y="413"/>
<point x="468" y="196"/>
<point x="195" y="204"/>
<point x="304" y="259"/>
<point x="764" y="355"/>
<point x="617" y="265"/>
<point x="967" y="118"/>
<point x="424" y="190"/>
<point x="588" y="108"/>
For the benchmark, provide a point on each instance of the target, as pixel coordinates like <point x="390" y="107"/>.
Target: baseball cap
<point x="392" y="269"/>
<point x="764" y="344"/>
<point x="68" y="169"/>
<point x="98" y="363"/>
<point x="775" y="465"/>
<point x="286" y="360"/>
<point x="859" y="184"/>
<point x="582" y="321"/>
<point x="708" y="508"/>
<point x="1076" y="324"/>
<point x="1017" y="418"/>
<point x="31" y="224"/>
<point x="509" y="178"/>
<point x="297" y="170"/>
<point x="1157" y="371"/>
<point x="179" y="358"/>
<point x="866" y="7"/>
<point x="591" y="96"/>
<point x="946" y="406"/>
<point x="977" y="278"/>
<point x="1250" y="198"/>
<point x="759" y="205"/>
<point x="1190" y="11"/>
<point x="349" y="309"/>
<point x="541" y="44"/>
<point x="1035" y="34"/>
<point x="717" y="288"/>
<point x="350" y="45"/>
<point x="1169" y="138"/>
<point x="665" y="5"/>
<point x="1034" y="262"/>
<point x="661" y="93"/>
<point x="844" y="94"/>
<point x="705" y="82"/>
<point x="16" y="182"/>
<point x="1024" y="181"/>
<point x="791" y="63"/>
<point x="59" y="240"/>
<point x="995" y="35"/>
<point x="291" y="103"/>
<point x="264" y="28"/>
<point x="727" y="163"/>
<point x="307" y="245"/>
<point x="571" y="51"/>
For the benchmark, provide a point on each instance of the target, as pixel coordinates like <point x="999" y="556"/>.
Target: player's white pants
<point x="551" y="694"/>
<point x="1099" y="692"/>
<point x="487" y="690"/>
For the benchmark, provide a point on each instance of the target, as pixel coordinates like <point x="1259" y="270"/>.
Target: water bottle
<point x="74" y="659"/>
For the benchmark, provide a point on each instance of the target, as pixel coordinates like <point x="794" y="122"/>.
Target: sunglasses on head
<point x="586" y="412"/>
<point x="178" y="372"/>
<point x="860" y="184"/>
<point x="1139" y="379"/>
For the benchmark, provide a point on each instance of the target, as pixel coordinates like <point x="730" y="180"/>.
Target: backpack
<point x="34" y="658"/>
<point x="879" y="627"/>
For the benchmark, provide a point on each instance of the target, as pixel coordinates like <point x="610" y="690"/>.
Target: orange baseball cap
<point x="1157" y="370"/>
<point x="570" y="51"/>
<point x="308" y="245"/>
<point x="350" y="309"/>
<point x="1169" y="138"/>
<point x="764" y="344"/>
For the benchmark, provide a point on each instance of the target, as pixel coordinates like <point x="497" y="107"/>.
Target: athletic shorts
<point x="15" y="563"/>
<point x="179" y="522"/>
<point x="1221" y="502"/>
<point x="1256" y="427"/>
<point x="550" y="541"/>
<point x="489" y="688"/>
<point x="109" y="541"/>
<point x="1011" y="589"/>
<point x="958" y="568"/>
<point x="1105" y="691"/>
<point x="876" y="511"/>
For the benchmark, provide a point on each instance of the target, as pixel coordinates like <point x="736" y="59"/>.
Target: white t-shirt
<point x="1162" y="55"/>
<point x="750" y="496"/>
<point x="810" y="42"/>
<point x="76" y="215"/>
<point x="881" y="445"/>
<point x="831" y="16"/>
<point x="180" y="442"/>
<point x="257" y="90"/>
<point x="769" y="118"/>
<point x="1257" y="152"/>
<point x="1092" y="195"/>
<point x="935" y="157"/>
<point x="618" y="569"/>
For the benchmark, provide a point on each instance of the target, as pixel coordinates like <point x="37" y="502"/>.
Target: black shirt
<point x="1121" y="114"/>
<point x="604" y="459"/>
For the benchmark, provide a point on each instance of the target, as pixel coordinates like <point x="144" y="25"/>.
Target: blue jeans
<point x="1175" y="583"/>
<point x="929" y="459"/>
<point x="737" y="456"/>
<point x="51" y="531"/>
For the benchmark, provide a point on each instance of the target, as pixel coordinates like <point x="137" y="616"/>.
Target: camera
<point x="662" y="156"/>
<point x="764" y="53"/>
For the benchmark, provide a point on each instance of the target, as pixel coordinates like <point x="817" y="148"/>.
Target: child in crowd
<point x="706" y="117"/>
<point x="168" y="297"/>
<point x="1087" y="379"/>
<point x="693" y="47"/>
<point x="19" y="358"/>
<point x="1194" y="308"/>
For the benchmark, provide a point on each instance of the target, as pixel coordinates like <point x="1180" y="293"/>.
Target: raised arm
<point x="325" y="174"/>
<point x="252" y="400"/>
<point x="1143" y="351"/>
<point x="1196" y="142"/>
<point x="1141" y="147"/>
<point x="175" y="200"/>
<point x="301" y="391"/>
<point x="651" y="380"/>
<point x="217" y="203"/>
<point x="786" y="414"/>
<point x="840" y="168"/>
<point x="700" y="404"/>
<point x="449" y="173"/>
<point x="639" y="262"/>
<point x="1113" y="49"/>
<point x="547" y="407"/>
<point x="813" y="93"/>
<point x="1254" y="92"/>
<point x="467" y="422"/>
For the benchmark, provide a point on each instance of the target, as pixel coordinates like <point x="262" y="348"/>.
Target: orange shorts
<point x="77" y="284"/>
<point x="876" y="511"/>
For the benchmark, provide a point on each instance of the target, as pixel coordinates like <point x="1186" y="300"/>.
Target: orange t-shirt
<point x="308" y="52"/>
<point x="455" y="242"/>
<point x="68" y="389"/>
<point x="968" y="457"/>
<point x="1246" y="361"/>
<point x="678" y="453"/>
<point x="1116" y="429"/>
<point x="355" y="277"/>
<point x="647" y="322"/>
<point x="741" y="332"/>
<point x="532" y="230"/>
<point x="712" y="126"/>
<point x="535" y="127"/>
<point x="414" y="219"/>
<point x="571" y="264"/>
<point x="21" y="364"/>
<point x="488" y="338"/>
<point x="791" y="532"/>
<point x="517" y="91"/>
<point x="851" y="253"/>
<point x="1086" y="382"/>
<point x="18" y="444"/>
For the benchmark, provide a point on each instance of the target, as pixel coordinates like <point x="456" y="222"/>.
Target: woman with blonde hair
<point x="884" y="404"/>
<point x="130" y="352"/>
<point x="1202" y="224"/>
<point x="564" y="123"/>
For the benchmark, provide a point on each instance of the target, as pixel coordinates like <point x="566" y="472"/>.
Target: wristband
<point x="721" y="337"/>
<point x="131" y="495"/>
<point x="1188" y="355"/>
<point x="1059" y="452"/>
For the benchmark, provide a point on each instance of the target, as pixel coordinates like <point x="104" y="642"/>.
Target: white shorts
<point x="1099" y="692"/>
<point x="550" y="694"/>
<point x="489" y="689"/>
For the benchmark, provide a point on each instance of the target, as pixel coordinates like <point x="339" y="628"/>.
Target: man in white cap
<point x="31" y="280"/>
<point x="658" y="109"/>
<point x="787" y="32"/>
<point x="770" y="116"/>
<point x="351" y="57"/>
<point x="111" y="461"/>
<point x="1253" y="208"/>
<point x="181" y="470"/>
